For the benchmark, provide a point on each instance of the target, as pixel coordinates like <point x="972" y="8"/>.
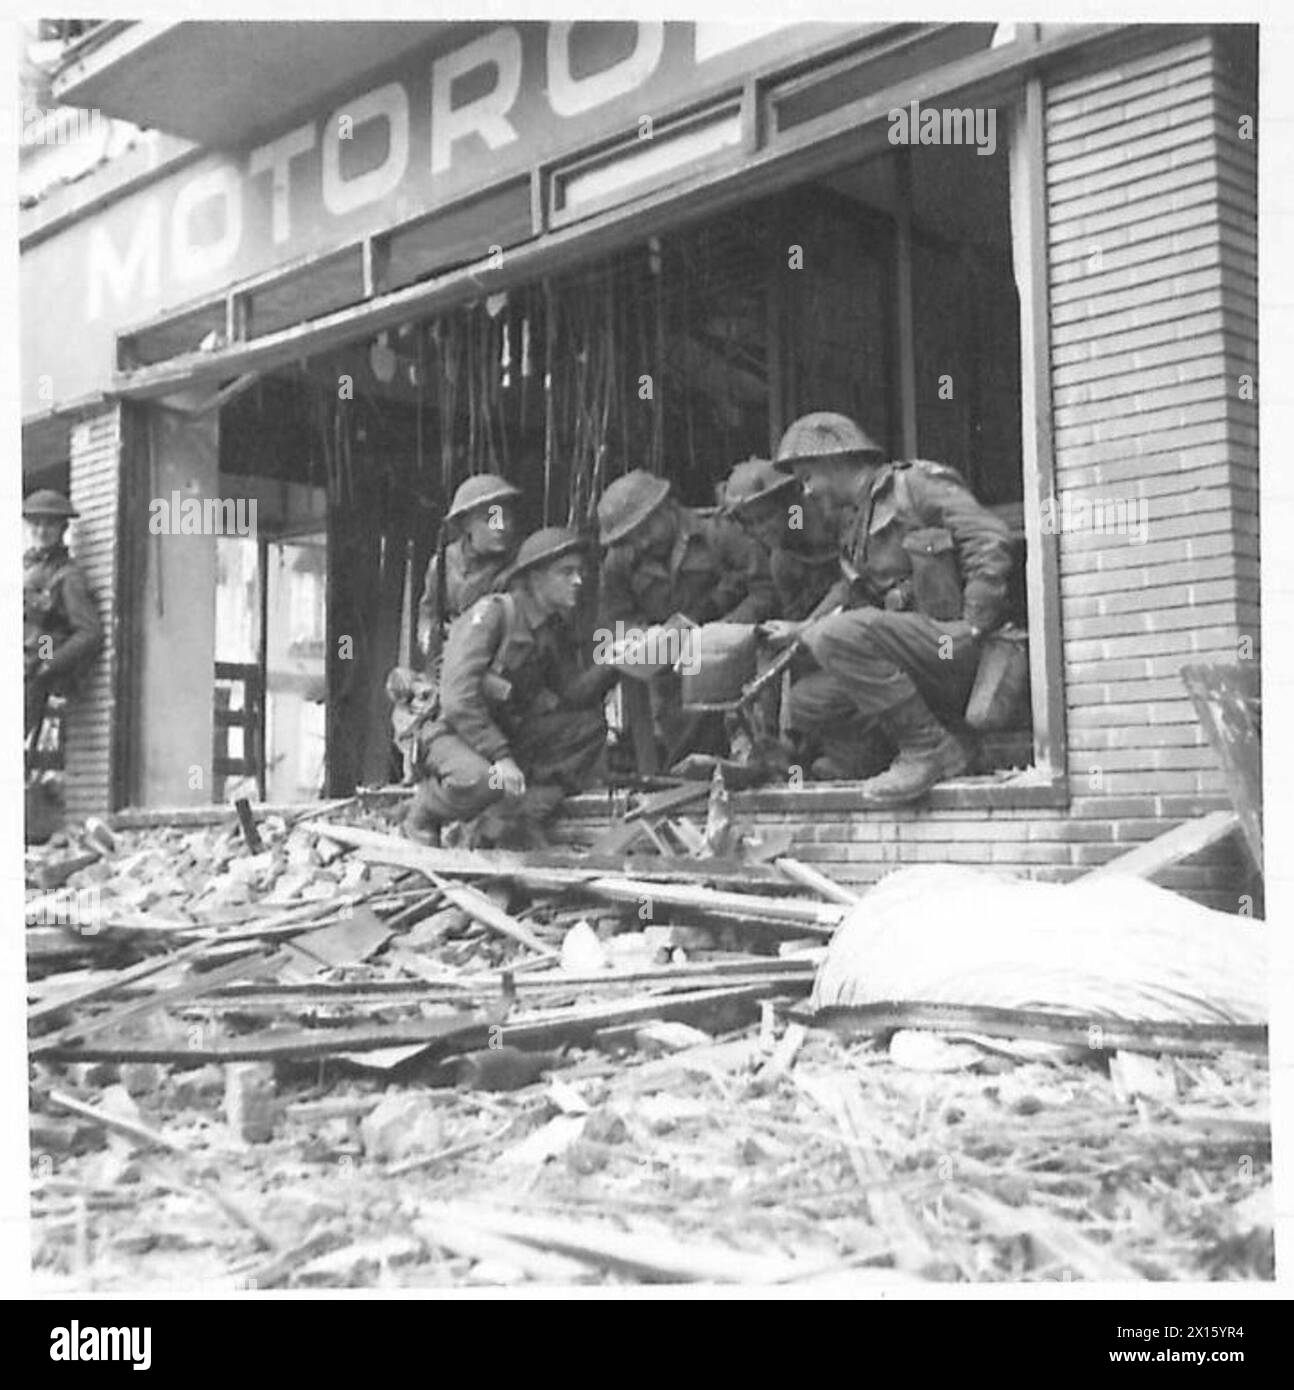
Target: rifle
<point x="780" y="663"/>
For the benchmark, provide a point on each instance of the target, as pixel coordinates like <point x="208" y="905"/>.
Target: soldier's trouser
<point x="872" y="660"/>
<point x="560" y="750"/>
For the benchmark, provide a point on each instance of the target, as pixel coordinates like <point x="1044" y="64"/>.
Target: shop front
<point x="561" y="251"/>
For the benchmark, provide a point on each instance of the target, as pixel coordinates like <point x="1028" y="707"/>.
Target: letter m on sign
<point x="127" y="275"/>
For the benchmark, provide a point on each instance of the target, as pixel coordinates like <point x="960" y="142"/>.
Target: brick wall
<point x="1152" y="256"/>
<point x="94" y="475"/>
<point x="1152" y="250"/>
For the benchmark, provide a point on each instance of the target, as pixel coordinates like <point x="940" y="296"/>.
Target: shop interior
<point x="682" y="354"/>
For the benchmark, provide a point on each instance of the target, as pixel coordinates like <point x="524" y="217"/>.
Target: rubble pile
<point x="303" y="1052"/>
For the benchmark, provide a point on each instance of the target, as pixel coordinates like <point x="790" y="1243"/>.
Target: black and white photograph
<point x="643" y="658"/>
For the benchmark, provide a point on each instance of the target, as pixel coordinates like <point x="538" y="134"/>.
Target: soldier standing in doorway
<point x="61" y="631"/>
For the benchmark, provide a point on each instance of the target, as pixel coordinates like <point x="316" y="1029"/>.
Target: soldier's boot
<point x="420" y="825"/>
<point x="928" y="754"/>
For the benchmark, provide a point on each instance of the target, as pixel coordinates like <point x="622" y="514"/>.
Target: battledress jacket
<point x="919" y="540"/>
<point x="469" y="576"/>
<point x="57" y="603"/>
<point x="501" y="670"/>
<point x="713" y="572"/>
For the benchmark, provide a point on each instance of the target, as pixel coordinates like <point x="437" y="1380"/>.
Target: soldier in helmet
<point x="61" y="632"/>
<point x="483" y="514"/>
<point x="664" y="563"/>
<point x="663" y="560"/>
<point x="793" y="527"/>
<point x="924" y="571"/>
<point x="520" y="722"/>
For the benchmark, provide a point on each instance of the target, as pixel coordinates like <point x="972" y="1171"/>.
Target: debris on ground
<point x="300" y="1051"/>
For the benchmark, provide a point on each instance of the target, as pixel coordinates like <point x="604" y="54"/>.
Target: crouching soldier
<point x="924" y="571"/>
<point x="520" y="723"/>
<point x="61" y="631"/>
<point x="667" y="565"/>
<point x="474" y="563"/>
<point x="664" y="560"/>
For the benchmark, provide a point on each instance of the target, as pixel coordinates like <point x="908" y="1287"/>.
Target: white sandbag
<point x="1118" y="947"/>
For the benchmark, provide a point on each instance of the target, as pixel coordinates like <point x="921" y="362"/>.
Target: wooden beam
<point x="483" y="910"/>
<point x="906" y="346"/>
<point x="817" y="919"/>
<point x="449" y="1035"/>
<point x="1183" y="841"/>
<point x="809" y="877"/>
<point x="1042" y="560"/>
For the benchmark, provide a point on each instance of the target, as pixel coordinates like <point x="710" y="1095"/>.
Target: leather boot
<point x="928" y="754"/>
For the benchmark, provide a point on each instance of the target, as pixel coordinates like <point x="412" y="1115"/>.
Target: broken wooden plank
<point x="1228" y="702"/>
<point x="808" y="877"/>
<point x="153" y="1138"/>
<point x="656" y="835"/>
<point x="646" y="1255"/>
<point x="1183" y="841"/>
<point x="1053" y="1241"/>
<point x="377" y="848"/>
<point x="671" y="799"/>
<point x="247" y="823"/>
<point x="122" y="978"/>
<point x="1097" y="1033"/>
<point x="818" y="919"/>
<point x="481" y="909"/>
<point x="457" y="1033"/>
<point x="246" y="966"/>
<point x="577" y="1027"/>
<point x="842" y="1101"/>
<point x="771" y="968"/>
<point x="438" y="1226"/>
<point x="618" y="838"/>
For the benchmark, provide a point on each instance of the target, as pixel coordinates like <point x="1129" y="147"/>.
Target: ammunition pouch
<point x="936" y="577"/>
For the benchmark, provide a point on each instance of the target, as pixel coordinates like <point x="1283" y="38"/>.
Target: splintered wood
<point x="320" y="1056"/>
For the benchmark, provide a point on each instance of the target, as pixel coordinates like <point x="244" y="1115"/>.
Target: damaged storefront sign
<point x="517" y="94"/>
